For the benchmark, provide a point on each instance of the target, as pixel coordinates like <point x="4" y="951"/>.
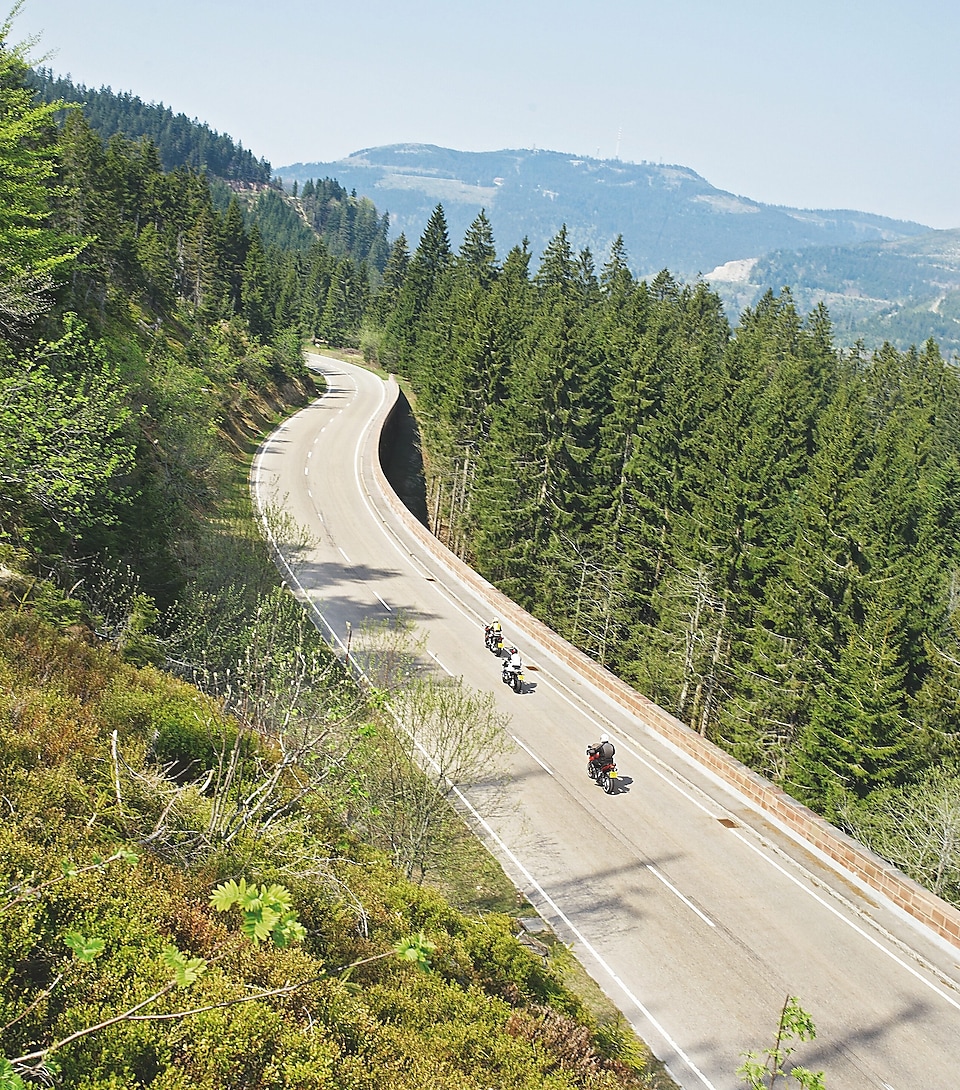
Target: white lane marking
<point x="602" y="723"/>
<point x="585" y="942"/>
<point x="309" y="453"/>
<point x="439" y="663"/>
<point x="482" y="822"/>
<point x="673" y="889"/>
<point x="306" y="470"/>
<point x="859" y="930"/>
<point x="670" y="780"/>
<point x="532" y="754"/>
<point x="393" y="538"/>
<point x="382" y="602"/>
<point x="472" y="615"/>
<point x="577" y="705"/>
<point x="343" y="554"/>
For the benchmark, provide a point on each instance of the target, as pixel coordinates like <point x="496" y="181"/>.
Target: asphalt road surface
<point x="694" y="912"/>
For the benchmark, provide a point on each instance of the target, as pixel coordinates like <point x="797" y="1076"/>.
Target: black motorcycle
<point x="604" y="773"/>
<point x="513" y="678"/>
<point x="493" y="640"/>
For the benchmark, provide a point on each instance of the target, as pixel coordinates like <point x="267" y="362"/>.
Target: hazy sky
<point x="815" y="104"/>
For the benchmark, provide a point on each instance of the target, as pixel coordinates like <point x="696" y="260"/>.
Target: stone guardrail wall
<point x="873" y="871"/>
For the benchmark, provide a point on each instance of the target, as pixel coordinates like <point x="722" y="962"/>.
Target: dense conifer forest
<point x="180" y="141"/>
<point x="215" y="849"/>
<point x="757" y="530"/>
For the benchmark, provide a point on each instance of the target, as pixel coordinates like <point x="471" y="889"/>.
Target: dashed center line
<point x="526" y="749"/>
<point x="673" y="889"/>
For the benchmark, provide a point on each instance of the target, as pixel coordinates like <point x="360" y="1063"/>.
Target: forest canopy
<point x="759" y="531"/>
<point x="197" y="886"/>
<point x="756" y="529"/>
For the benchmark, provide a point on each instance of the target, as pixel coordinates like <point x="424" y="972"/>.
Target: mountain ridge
<point x="532" y="192"/>
<point x="881" y="278"/>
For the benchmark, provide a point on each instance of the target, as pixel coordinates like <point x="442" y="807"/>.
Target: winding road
<point x="695" y="912"/>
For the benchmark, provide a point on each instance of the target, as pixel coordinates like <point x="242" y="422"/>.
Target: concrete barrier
<point x="877" y="873"/>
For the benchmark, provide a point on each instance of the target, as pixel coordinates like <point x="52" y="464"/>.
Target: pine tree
<point x="664" y="402"/>
<point x="478" y="254"/>
<point x="858" y="739"/>
<point x="233" y="248"/>
<point x="255" y="288"/>
<point x="394" y="274"/>
<point x="799" y="629"/>
<point x="32" y="255"/>
<point x="427" y="267"/>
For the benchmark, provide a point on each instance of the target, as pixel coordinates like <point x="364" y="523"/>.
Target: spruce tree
<point x="427" y="267"/>
<point x="33" y="257"/>
<point x="255" y="290"/>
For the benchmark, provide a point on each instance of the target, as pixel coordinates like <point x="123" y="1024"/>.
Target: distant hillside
<point x="349" y="226"/>
<point x="180" y="140"/>
<point x="669" y="216"/>
<point x="903" y="291"/>
<point x="881" y="278"/>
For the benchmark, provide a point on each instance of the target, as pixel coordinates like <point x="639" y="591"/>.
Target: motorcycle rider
<point x="602" y="753"/>
<point x="512" y="666"/>
<point x="492" y="632"/>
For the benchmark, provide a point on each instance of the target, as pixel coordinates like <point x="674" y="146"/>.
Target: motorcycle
<point x="604" y="774"/>
<point x="513" y="678"/>
<point x="493" y="640"/>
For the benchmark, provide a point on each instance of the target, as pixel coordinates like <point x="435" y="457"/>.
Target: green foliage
<point x="63" y="440"/>
<point x="180" y="141"/>
<point x="417" y="950"/>
<point x="31" y="255"/>
<point x="189" y="742"/>
<point x="121" y="942"/>
<point x="766" y="1069"/>
<point x="406" y="805"/>
<point x="186" y="345"/>
<point x="915" y="827"/>
<point x="266" y="911"/>
<point x="9" y="1079"/>
<point x="83" y="949"/>
<point x="749" y="525"/>
<point x="348" y="224"/>
<point x="186" y="970"/>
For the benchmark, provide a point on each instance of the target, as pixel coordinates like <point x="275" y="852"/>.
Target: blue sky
<point x="821" y="104"/>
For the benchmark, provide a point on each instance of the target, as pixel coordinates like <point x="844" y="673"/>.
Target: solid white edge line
<point x="439" y="663"/>
<point x="859" y="930"/>
<point x="527" y="749"/>
<point x="581" y="711"/>
<point x="673" y="889"/>
<point x="483" y="823"/>
<point x="581" y="938"/>
<point x="669" y="780"/>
